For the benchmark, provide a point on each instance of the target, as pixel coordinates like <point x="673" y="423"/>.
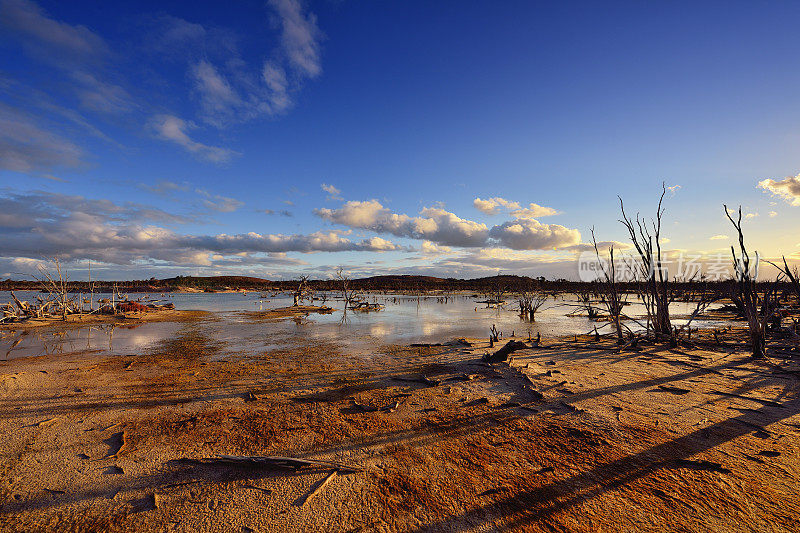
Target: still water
<point x="404" y="320"/>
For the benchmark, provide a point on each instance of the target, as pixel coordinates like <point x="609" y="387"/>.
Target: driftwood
<point x="423" y="379"/>
<point x="269" y="462"/>
<point x="503" y="353"/>
<point x="327" y="479"/>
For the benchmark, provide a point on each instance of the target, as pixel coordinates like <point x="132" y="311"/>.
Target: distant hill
<point x="391" y="282"/>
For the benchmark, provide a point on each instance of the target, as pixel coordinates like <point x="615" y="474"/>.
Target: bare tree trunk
<point x="613" y="302"/>
<point x="656" y="294"/>
<point x="757" y="310"/>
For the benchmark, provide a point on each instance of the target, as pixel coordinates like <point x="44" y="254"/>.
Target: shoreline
<point x="569" y="435"/>
<point x="92" y="319"/>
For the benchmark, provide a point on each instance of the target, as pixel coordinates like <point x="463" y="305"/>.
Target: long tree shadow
<point x="520" y="509"/>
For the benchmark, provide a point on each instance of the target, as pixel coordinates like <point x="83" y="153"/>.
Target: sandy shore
<point x="569" y="437"/>
<point x="79" y="321"/>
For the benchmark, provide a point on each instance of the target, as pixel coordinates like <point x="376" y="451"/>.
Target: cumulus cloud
<point x="430" y="248"/>
<point x="488" y="261"/>
<point x="493" y="206"/>
<point x="439" y="226"/>
<point x="788" y="188"/>
<point x="172" y="128"/>
<point x="530" y="234"/>
<point x="534" y="211"/>
<point x="434" y="224"/>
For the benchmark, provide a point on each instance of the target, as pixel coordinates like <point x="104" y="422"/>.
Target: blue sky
<point x="454" y="138"/>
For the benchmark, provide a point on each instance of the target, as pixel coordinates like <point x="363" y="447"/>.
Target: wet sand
<point x="87" y="319"/>
<point x="568" y="437"/>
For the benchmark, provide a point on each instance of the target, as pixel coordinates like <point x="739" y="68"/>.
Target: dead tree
<point x="55" y="284"/>
<point x="646" y="239"/>
<point x="497" y="291"/>
<point x="344" y="286"/>
<point x="585" y="300"/>
<point x="612" y="298"/>
<point x="792" y="275"/>
<point x="303" y="291"/>
<point x="757" y="310"/>
<point x="530" y="301"/>
<point x="704" y="298"/>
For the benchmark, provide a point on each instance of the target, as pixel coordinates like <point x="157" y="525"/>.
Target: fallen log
<point x="317" y="489"/>
<point x="423" y="379"/>
<point x="269" y="462"/>
<point x="503" y="353"/>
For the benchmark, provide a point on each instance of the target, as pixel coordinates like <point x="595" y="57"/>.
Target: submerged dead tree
<point x="585" y="301"/>
<point x="303" y="291"/>
<point x="792" y="275"/>
<point x="756" y="309"/>
<point x="530" y="301"/>
<point x="348" y="293"/>
<point x="612" y="298"/>
<point x="653" y="274"/>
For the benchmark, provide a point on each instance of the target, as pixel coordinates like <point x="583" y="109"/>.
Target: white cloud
<point x="218" y="100"/>
<point x="530" y="234"/>
<point x="39" y="224"/>
<point x="719" y="238"/>
<point x="99" y="95"/>
<point x="25" y="147"/>
<point x="299" y="37"/>
<point x="488" y="261"/>
<point x="788" y="188"/>
<point x="166" y="187"/>
<point x="534" y="211"/>
<point x="228" y="89"/>
<point x="773" y="214"/>
<point x="435" y="224"/>
<point x="172" y="128"/>
<point x="275" y="78"/>
<point x="27" y="19"/>
<point x="602" y="246"/>
<point x="492" y="206"/>
<point x="431" y="248"/>
<point x="333" y="192"/>
<point x="216" y="202"/>
<point x="442" y="227"/>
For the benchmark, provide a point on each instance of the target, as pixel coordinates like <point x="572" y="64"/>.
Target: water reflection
<point x="403" y="320"/>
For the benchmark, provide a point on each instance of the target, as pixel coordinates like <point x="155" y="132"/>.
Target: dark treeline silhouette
<point x="687" y="290"/>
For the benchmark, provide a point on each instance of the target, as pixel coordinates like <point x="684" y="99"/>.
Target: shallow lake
<point x="405" y="319"/>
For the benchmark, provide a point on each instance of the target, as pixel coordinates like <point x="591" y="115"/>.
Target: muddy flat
<point x="572" y="436"/>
